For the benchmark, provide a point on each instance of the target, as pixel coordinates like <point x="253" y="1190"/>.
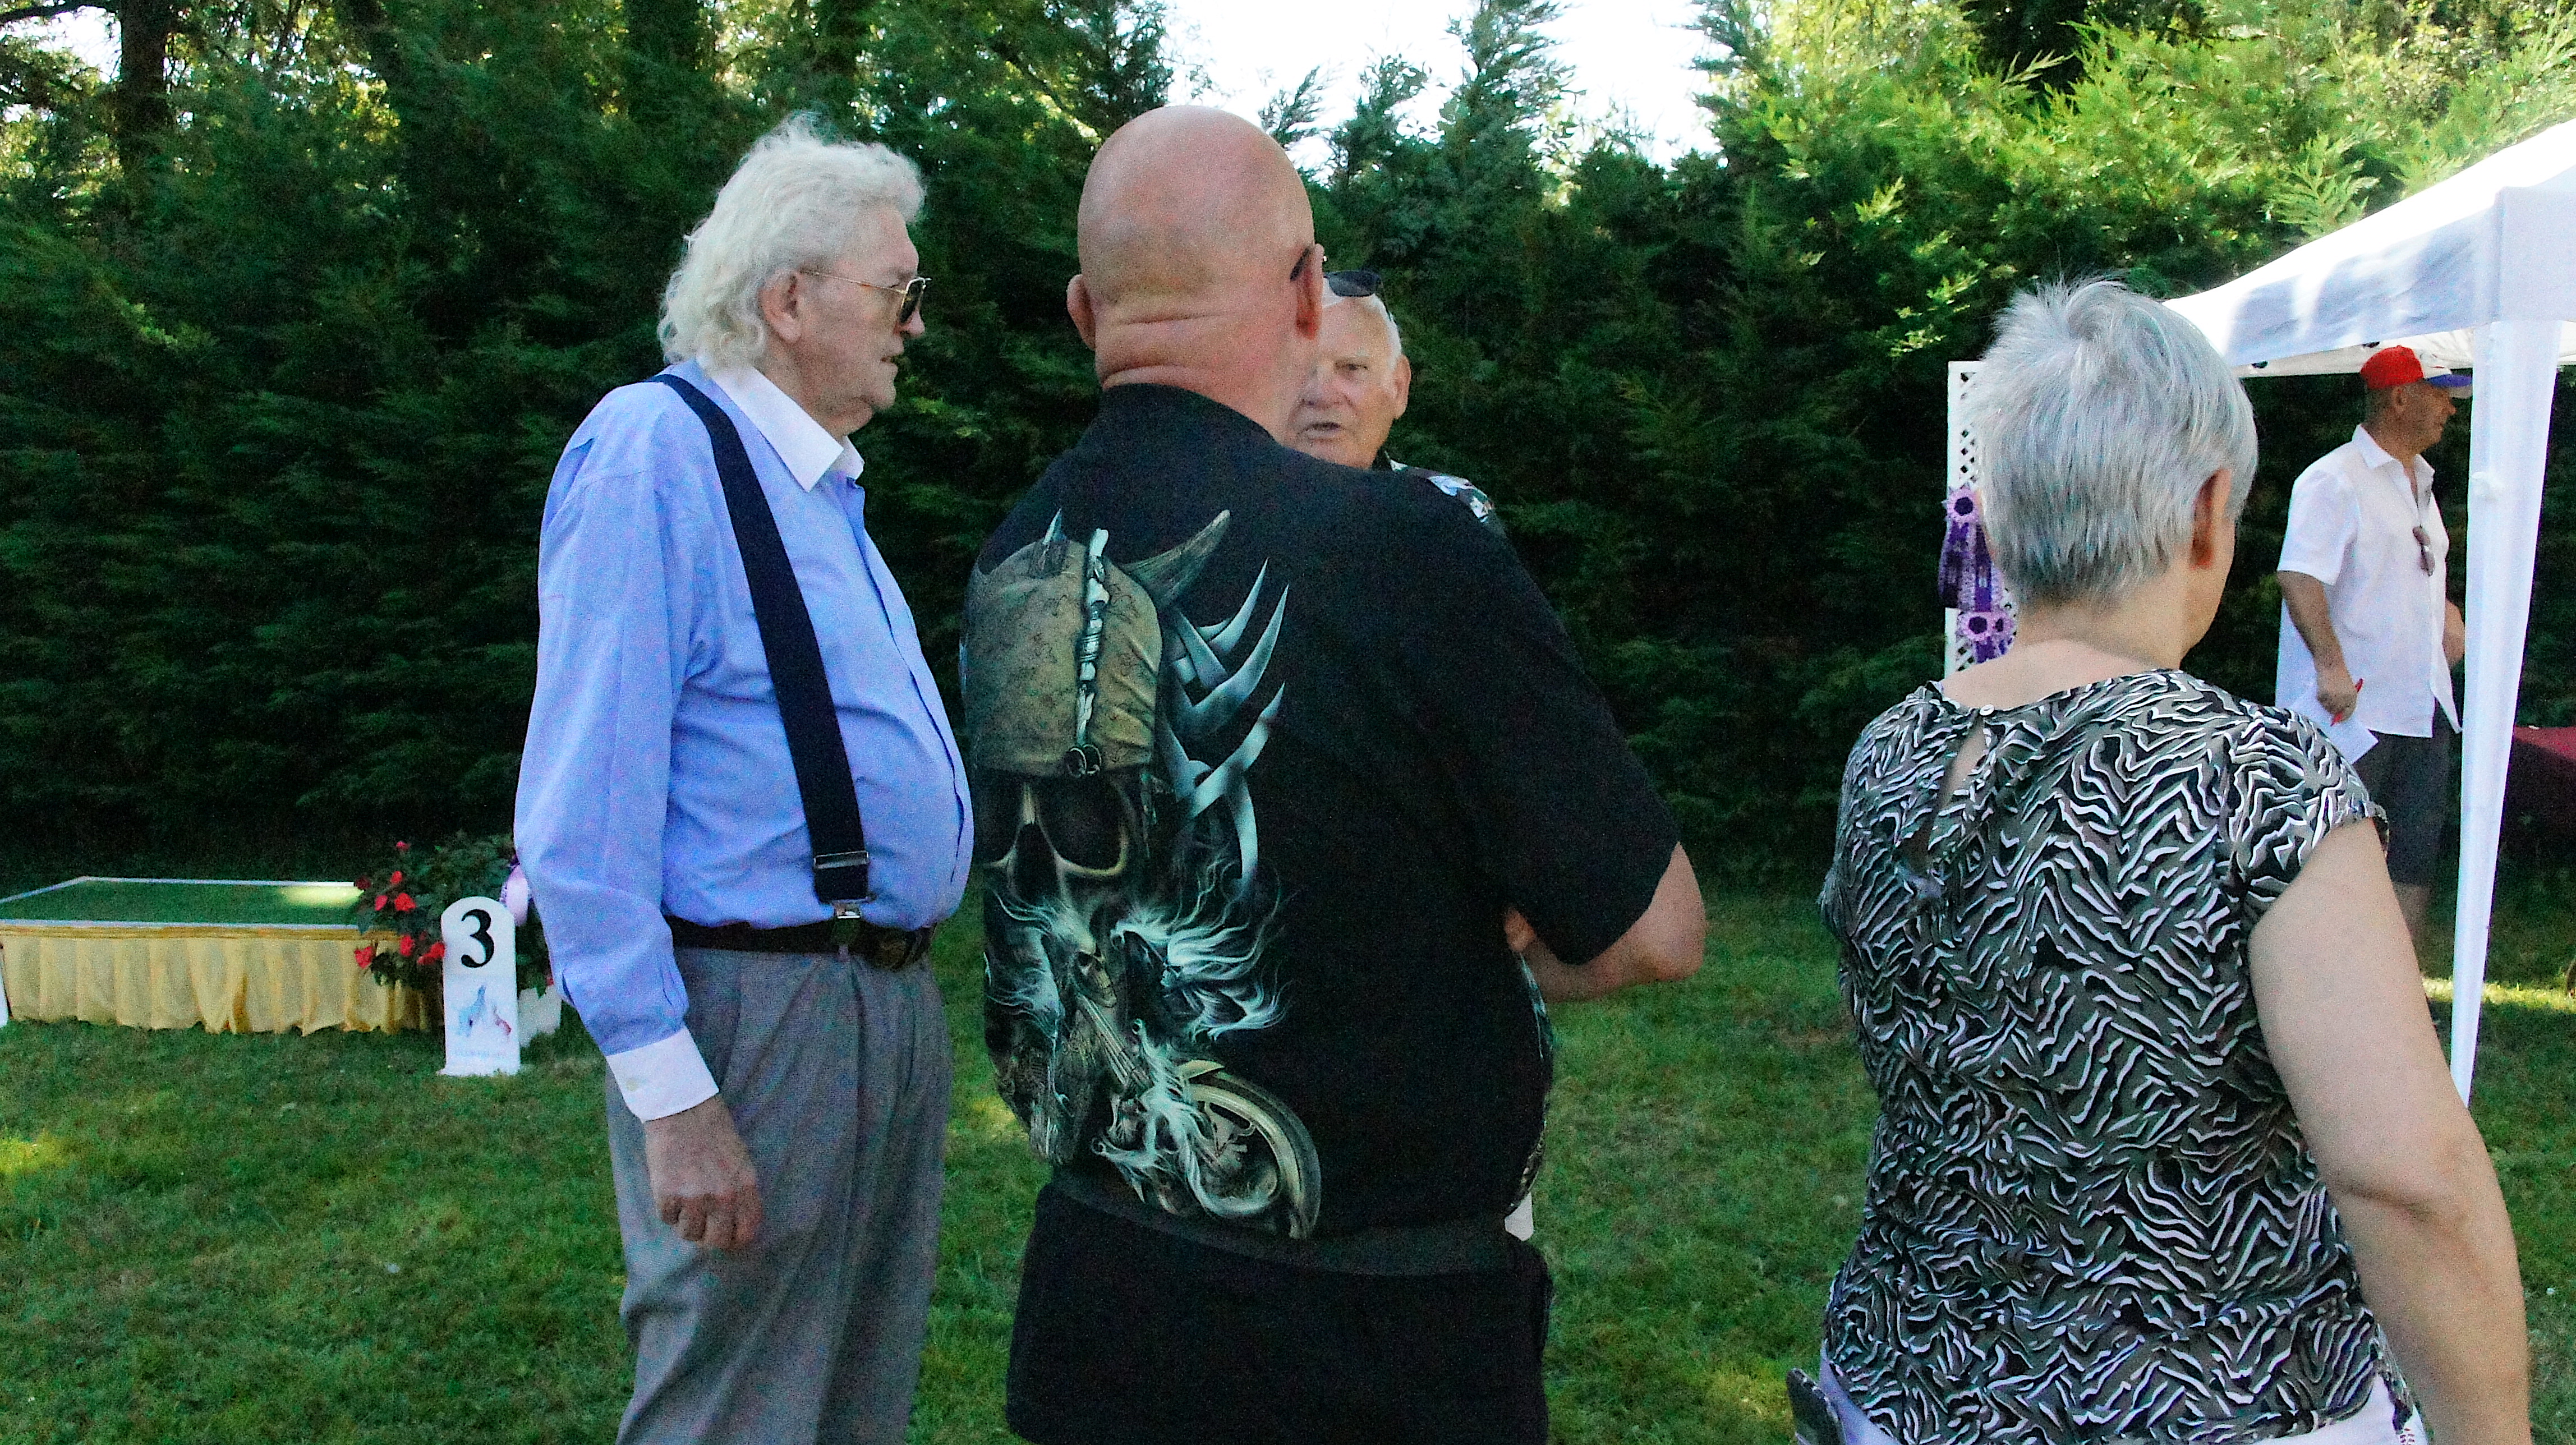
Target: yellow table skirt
<point x="231" y="979"/>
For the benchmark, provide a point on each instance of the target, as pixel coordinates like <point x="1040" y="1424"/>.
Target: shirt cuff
<point x="663" y="1077"/>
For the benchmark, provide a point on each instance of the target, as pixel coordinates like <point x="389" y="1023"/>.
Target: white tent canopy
<point x="2454" y="349"/>
<point x="2497" y="242"/>
<point x="2477" y="271"/>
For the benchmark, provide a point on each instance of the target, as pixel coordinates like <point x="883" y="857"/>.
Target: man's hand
<point x="2305" y="597"/>
<point x="2336" y="691"/>
<point x="702" y="1177"/>
<point x="1556" y="982"/>
<point x="2455" y="633"/>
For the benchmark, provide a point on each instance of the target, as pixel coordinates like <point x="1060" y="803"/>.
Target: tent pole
<point x="2508" y="443"/>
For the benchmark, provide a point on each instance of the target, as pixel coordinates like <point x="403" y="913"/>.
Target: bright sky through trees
<point x="1632" y="59"/>
<point x="1631" y="56"/>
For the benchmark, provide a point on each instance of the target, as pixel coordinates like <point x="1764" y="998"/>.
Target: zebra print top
<point x="2091" y="1214"/>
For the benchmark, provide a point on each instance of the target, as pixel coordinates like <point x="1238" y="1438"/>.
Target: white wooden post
<point x="481" y="979"/>
<point x="1961" y="455"/>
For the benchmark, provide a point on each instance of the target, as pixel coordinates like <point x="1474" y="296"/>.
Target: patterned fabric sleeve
<point x="2291" y="788"/>
<point x="1864" y="772"/>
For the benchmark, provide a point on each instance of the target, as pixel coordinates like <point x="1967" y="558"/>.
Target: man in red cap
<point x="2369" y="634"/>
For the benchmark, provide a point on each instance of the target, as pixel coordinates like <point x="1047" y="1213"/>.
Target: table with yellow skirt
<point x="232" y="955"/>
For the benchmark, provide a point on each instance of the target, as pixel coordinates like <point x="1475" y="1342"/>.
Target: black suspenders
<point x="795" y="668"/>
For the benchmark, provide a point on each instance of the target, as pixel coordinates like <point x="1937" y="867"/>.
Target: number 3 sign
<point x="481" y="979"/>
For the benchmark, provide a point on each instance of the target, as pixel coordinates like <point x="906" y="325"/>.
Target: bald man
<point x="1250" y="815"/>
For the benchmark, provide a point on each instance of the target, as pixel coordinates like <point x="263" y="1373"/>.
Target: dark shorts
<point x="1130" y="1336"/>
<point x="2410" y="779"/>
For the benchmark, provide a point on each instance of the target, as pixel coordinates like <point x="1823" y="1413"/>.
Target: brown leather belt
<point x="885" y="948"/>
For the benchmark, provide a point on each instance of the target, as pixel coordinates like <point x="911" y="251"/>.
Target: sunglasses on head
<point x="1353" y="283"/>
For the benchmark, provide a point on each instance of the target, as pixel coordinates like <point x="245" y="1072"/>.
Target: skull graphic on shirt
<point x="1126" y="910"/>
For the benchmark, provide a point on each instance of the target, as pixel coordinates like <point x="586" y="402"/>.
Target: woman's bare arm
<point x="2342" y="1009"/>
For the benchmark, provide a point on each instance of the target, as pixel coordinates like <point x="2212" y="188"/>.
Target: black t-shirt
<point x="1263" y="747"/>
<point x="1469" y="495"/>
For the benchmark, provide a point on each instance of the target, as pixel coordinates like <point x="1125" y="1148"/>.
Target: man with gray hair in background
<point x="729" y="687"/>
<point x="2369" y="633"/>
<point x="1361" y="383"/>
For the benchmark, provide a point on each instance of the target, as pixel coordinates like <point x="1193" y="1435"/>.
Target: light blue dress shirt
<point x="656" y="778"/>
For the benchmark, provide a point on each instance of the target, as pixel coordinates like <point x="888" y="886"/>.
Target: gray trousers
<point x="837" y="1075"/>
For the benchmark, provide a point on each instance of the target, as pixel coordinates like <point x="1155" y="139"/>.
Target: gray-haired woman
<point x="2167" y="1150"/>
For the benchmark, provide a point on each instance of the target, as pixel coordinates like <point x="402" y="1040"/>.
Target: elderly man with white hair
<point x="743" y="810"/>
<point x="1361" y="383"/>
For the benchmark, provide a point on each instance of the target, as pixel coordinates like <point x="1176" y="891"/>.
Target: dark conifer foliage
<point x="297" y="311"/>
<point x="279" y="399"/>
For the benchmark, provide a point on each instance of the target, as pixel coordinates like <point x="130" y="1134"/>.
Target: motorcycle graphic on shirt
<point x="1126" y="909"/>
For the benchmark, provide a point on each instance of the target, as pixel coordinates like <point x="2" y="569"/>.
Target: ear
<point x="2209" y="520"/>
<point x="782" y="306"/>
<point x="1310" y="294"/>
<point x="1077" y="304"/>
<point x="1403" y="383"/>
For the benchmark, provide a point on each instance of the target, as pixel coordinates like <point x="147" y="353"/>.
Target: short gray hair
<point x="789" y="205"/>
<point x="1375" y="306"/>
<point x="2099" y="413"/>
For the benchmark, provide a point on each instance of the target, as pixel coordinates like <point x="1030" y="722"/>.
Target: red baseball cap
<point x="2397" y="365"/>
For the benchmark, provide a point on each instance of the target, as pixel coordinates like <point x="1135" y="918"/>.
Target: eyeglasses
<point x="2424" y="551"/>
<point x="1353" y="283"/>
<point x="911" y="291"/>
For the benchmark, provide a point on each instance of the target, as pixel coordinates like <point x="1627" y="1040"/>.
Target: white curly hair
<point x="789" y="205"/>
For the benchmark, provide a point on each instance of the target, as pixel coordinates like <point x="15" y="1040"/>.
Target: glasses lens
<point x="2424" y="551"/>
<point x="911" y="306"/>
<point x="1352" y="283"/>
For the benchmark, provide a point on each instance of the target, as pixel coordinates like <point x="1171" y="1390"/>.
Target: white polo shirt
<point x="2353" y="516"/>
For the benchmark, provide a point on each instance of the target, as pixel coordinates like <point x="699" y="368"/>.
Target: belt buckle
<point x="914" y="947"/>
<point x="892" y="952"/>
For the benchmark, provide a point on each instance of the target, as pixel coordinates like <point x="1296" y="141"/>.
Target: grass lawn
<point x="258" y="1238"/>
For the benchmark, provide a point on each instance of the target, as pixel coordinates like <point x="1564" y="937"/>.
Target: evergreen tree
<point x="297" y="310"/>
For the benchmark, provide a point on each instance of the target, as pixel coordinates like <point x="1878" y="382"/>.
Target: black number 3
<point x="482" y="934"/>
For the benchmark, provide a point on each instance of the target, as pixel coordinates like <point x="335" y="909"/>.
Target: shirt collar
<point x="810" y="452"/>
<point x="2375" y="456"/>
<point x="1152" y="407"/>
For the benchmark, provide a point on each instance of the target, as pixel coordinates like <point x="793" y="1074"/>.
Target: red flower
<point x="402" y="903"/>
<point x="436" y="950"/>
<point x="404" y="948"/>
<point x="380" y="903"/>
<point x="364" y="884"/>
<point x="366" y="955"/>
<point x="402" y="847"/>
<point x="394" y="880"/>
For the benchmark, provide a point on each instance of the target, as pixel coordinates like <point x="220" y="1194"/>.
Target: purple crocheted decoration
<point x="1968" y="582"/>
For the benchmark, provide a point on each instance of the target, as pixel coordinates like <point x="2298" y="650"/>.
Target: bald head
<point x="1197" y="267"/>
